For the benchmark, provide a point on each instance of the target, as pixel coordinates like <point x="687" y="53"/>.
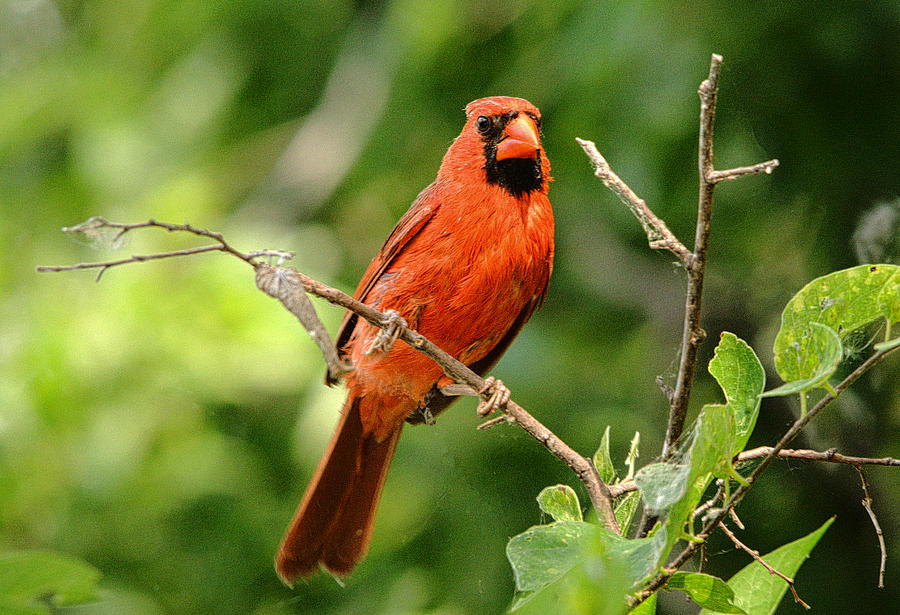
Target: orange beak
<point x="520" y="139"/>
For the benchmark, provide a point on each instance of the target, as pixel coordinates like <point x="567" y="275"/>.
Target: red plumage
<point x="465" y="266"/>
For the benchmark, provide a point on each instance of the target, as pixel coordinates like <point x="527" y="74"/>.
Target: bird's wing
<point x="411" y="224"/>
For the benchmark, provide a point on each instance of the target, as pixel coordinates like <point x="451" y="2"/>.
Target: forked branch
<point x="692" y="333"/>
<point x="660" y="237"/>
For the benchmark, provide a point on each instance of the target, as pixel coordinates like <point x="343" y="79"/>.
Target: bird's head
<point x="502" y="141"/>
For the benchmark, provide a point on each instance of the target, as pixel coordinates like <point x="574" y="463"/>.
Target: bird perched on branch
<point x="466" y="266"/>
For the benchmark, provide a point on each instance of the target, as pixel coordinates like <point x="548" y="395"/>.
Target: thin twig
<point x="94" y="228"/>
<point x="755" y="555"/>
<point x="736" y="519"/>
<point x="658" y="234"/>
<point x="136" y="258"/>
<point x="692" y="333"/>
<point x="755" y="169"/>
<point x="660" y="237"/>
<point x="667" y="390"/>
<point x="867" y="504"/>
<point x="831" y="455"/>
<point x="497" y="420"/>
<point x="708" y="504"/>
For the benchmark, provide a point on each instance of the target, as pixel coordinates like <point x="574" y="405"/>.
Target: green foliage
<point x="33" y="582"/>
<point x="594" y="585"/>
<point x="808" y="349"/>
<point x="647" y="607"/>
<point x="814" y="357"/>
<point x="841" y="302"/>
<point x="626" y="506"/>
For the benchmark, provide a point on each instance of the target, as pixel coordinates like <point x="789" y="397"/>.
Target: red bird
<point x="466" y="266"/>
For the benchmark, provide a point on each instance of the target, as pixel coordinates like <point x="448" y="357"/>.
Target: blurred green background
<point x="163" y="423"/>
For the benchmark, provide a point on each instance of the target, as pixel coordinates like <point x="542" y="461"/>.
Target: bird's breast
<point x="461" y="282"/>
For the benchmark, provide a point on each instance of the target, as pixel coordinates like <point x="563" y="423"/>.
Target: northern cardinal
<point x="465" y="266"/>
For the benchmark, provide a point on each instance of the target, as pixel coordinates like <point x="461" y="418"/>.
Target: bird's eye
<point x="483" y="124"/>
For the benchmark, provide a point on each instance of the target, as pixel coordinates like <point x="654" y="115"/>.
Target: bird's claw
<point x="499" y="397"/>
<point x="386" y="338"/>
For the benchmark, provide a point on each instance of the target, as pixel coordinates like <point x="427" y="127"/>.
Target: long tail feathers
<point x="333" y="523"/>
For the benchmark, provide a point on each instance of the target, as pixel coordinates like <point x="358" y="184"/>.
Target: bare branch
<point x="755" y="555"/>
<point x="658" y="234"/>
<point x="95" y="228"/>
<point x="711" y="502"/>
<point x="735" y="518"/>
<point x="136" y="258"/>
<point x="831" y="455"/>
<point x="497" y="420"/>
<point x="661" y="238"/>
<point x="692" y="333"/>
<point x="289" y="286"/>
<point x="867" y="504"/>
<point x="763" y="167"/>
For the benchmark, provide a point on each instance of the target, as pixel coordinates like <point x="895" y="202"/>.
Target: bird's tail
<point x="333" y="523"/>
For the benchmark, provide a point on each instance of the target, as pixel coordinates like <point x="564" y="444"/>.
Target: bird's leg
<point x="457" y="389"/>
<point x="499" y="397"/>
<point x="386" y="338"/>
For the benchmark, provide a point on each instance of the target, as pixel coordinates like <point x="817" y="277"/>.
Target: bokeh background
<point x="163" y="423"/>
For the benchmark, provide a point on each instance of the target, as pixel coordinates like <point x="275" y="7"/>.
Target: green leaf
<point x="713" y="441"/>
<point x="603" y="460"/>
<point x="581" y="555"/>
<point x="706" y="590"/>
<point x="820" y="351"/>
<point x="647" y="607"/>
<point x="631" y="459"/>
<point x="844" y="301"/>
<point x="639" y="556"/>
<point x="662" y="484"/>
<point x="673" y="489"/>
<point x="596" y="583"/>
<point x="625" y="509"/>
<point x="560" y="502"/>
<point x="756" y="590"/>
<point x="740" y="374"/>
<point x="28" y="577"/>
<point x="544" y="553"/>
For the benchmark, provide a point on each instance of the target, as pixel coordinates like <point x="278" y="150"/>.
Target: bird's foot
<point x="499" y="397"/>
<point x="386" y="338"/>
